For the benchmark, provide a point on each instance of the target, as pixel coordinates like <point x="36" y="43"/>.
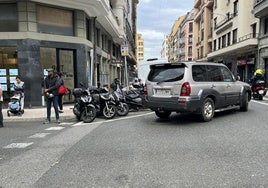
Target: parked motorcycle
<point x="103" y="102"/>
<point x="83" y="108"/>
<point x="122" y="107"/>
<point x="258" y="90"/>
<point x="134" y="99"/>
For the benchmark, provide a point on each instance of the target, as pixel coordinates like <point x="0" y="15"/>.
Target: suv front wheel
<point x="162" y="114"/>
<point x="207" y="110"/>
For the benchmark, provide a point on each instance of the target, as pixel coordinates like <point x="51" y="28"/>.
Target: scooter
<point x="103" y="102"/>
<point x="83" y="108"/>
<point x="258" y="90"/>
<point x="134" y="99"/>
<point x="120" y="102"/>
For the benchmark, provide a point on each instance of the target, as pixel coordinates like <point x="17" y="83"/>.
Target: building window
<point x="98" y="37"/>
<point x="190" y="27"/>
<point x="228" y="39"/>
<point x="224" y="41"/>
<point x="254" y="33"/>
<point x="219" y="43"/>
<point x="88" y="29"/>
<point x="235" y="7"/>
<point x="202" y="34"/>
<point x="215" y="22"/>
<point x="54" y="21"/>
<point x="234" y="36"/>
<point x="266" y="26"/>
<point x="215" y="45"/>
<point x="8" y="18"/>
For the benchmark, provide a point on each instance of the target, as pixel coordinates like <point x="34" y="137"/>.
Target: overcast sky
<point x="155" y="19"/>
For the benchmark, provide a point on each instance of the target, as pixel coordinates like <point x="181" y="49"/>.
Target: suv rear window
<point x="166" y="73"/>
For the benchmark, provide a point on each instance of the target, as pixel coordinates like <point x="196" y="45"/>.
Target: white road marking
<point x="78" y="124"/>
<point x="111" y="120"/>
<point x="39" y="135"/>
<point x="54" y="128"/>
<point x="18" y="145"/>
<point x="259" y="102"/>
<point x="66" y="123"/>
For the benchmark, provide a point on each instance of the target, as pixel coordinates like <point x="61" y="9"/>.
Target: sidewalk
<point x="39" y="114"/>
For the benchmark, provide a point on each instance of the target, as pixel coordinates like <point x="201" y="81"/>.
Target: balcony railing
<point x="257" y="2"/>
<point x="225" y="20"/>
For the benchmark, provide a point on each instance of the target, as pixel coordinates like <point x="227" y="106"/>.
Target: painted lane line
<point x="111" y="120"/>
<point x="54" y="128"/>
<point x="259" y="102"/>
<point x="18" y="145"/>
<point x="66" y="123"/>
<point x="39" y="135"/>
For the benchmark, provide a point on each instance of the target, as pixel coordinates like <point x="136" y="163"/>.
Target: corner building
<point x="82" y="39"/>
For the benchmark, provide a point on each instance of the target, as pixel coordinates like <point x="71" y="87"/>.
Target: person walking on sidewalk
<point x="1" y="101"/>
<point x="60" y="95"/>
<point x="19" y="87"/>
<point x="52" y="82"/>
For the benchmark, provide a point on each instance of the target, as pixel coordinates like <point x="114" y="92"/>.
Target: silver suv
<point x="195" y="87"/>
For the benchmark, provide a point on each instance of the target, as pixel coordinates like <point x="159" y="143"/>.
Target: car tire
<point x="244" y="103"/>
<point x="207" y="110"/>
<point x="162" y="114"/>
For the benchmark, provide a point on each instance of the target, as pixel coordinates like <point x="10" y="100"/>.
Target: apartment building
<point x="203" y="14"/>
<point x="173" y="41"/>
<point x="235" y="36"/>
<point x="261" y="12"/>
<point x="140" y="47"/>
<point x="164" y="50"/>
<point x="186" y="38"/>
<point x="81" y="39"/>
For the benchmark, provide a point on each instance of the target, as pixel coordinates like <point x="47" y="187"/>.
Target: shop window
<point x="55" y="21"/>
<point x="8" y="17"/>
<point x="8" y="70"/>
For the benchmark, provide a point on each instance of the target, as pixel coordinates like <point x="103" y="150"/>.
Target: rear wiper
<point x="169" y="80"/>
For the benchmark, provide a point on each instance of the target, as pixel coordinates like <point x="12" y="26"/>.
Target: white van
<point x="144" y="67"/>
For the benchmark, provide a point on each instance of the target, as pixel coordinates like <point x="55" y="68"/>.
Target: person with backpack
<point x="51" y="85"/>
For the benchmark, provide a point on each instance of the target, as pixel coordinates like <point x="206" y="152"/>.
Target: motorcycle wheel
<point x="122" y="110"/>
<point x="109" y="111"/>
<point x="78" y="118"/>
<point x="88" y="115"/>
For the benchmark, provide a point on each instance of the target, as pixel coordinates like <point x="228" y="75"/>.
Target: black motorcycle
<point x="122" y="107"/>
<point x="134" y="99"/>
<point x="103" y="102"/>
<point x="83" y="108"/>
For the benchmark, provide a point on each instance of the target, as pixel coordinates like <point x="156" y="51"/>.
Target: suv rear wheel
<point x="162" y="114"/>
<point x="244" y="103"/>
<point x="207" y="110"/>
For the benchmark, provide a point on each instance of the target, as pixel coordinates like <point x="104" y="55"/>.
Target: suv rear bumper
<point x="174" y="104"/>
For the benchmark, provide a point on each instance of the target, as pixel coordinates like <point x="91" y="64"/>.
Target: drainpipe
<point x="94" y="54"/>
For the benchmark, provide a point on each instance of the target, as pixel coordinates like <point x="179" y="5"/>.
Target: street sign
<point x="124" y="50"/>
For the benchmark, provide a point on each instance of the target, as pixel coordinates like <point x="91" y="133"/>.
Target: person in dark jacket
<point x="51" y="85"/>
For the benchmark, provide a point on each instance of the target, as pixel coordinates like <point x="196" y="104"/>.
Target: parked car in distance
<point x="202" y="88"/>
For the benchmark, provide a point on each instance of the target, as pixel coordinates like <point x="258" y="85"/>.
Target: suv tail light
<point x="145" y="90"/>
<point x="185" y="89"/>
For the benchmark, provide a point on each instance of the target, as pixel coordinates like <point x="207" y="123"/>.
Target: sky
<point x="155" y="20"/>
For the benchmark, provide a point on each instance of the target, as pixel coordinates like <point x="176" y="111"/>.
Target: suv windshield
<point x="166" y="73"/>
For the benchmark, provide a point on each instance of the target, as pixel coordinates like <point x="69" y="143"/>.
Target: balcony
<point x="197" y="3"/>
<point x="242" y="45"/>
<point x="261" y="8"/>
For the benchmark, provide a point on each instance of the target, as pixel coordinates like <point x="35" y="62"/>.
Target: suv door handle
<point x="212" y="86"/>
<point x="228" y="85"/>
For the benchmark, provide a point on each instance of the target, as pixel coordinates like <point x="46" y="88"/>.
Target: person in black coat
<point x="51" y="85"/>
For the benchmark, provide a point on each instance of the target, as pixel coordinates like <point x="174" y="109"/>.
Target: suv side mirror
<point x="237" y="77"/>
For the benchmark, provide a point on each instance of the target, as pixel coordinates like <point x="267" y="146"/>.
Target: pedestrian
<point x="60" y="95"/>
<point x="52" y="82"/>
<point x="19" y="87"/>
<point x="1" y="101"/>
<point x="116" y="86"/>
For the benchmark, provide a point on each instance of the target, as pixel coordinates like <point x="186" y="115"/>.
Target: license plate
<point x="261" y="92"/>
<point x="162" y="92"/>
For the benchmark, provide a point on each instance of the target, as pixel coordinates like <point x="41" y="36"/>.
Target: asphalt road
<point x="139" y="150"/>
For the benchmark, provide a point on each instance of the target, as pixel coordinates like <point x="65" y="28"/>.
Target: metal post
<point x="126" y="72"/>
<point x="91" y="66"/>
